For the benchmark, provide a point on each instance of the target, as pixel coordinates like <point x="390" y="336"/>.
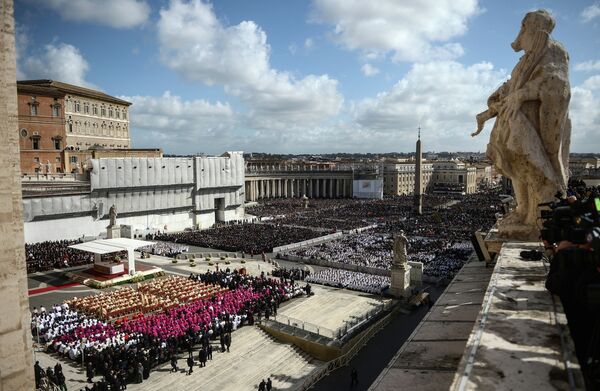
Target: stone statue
<point x="112" y="214"/>
<point x="530" y="140"/>
<point x="400" y="245"/>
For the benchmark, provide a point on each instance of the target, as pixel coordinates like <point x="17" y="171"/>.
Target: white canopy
<point x="107" y="246"/>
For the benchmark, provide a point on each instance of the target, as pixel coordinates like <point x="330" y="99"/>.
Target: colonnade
<point x="258" y="188"/>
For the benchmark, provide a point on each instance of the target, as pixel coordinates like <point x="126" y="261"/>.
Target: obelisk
<point x="418" y="177"/>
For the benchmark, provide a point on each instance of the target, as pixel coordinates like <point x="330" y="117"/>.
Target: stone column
<point x="318" y="188"/>
<point x="16" y="356"/>
<point x="285" y="188"/>
<point x="310" y="188"/>
<point x="331" y="189"/>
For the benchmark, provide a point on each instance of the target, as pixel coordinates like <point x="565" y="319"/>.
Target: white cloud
<point x="198" y="46"/>
<point x="412" y="30"/>
<point x="61" y="62"/>
<point x="591" y="12"/>
<point x="588" y="66"/>
<point x="442" y="96"/>
<point x="181" y="126"/>
<point x="112" y="13"/>
<point x="309" y="43"/>
<point x="585" y="116"/>
<point x="369" y="70"/>
<point x="21" y="44"/>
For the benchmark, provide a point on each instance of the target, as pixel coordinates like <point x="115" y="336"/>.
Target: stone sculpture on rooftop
<point x="400" y="253"/>
<point x="112" y="214"/>
<point x="530" y="139"/>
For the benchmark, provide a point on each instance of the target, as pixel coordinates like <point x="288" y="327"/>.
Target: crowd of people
<point x="126" y="350"/>
<point x="165" y="249"/>
<point x="294" y="273"/>
<point x="248" y="238"/>
<point x="44" y="256"/>
<point x="340" y="278"/>
<point x="442" y="248"/>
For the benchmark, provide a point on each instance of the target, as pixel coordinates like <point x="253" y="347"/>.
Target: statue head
<point x="536" y="27"/>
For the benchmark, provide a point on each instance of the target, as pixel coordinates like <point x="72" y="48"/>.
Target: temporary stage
<point x="108" y="246"/>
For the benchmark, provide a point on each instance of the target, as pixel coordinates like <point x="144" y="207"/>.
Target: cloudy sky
<point x="303" y="76"/>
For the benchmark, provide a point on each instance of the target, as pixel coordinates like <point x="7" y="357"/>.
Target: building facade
<point x="61" y="126"/>
<point x="150" y="194"/>
<point x="399" y="178"/>
<point x="454" y="177"/>
<point x="41" y="129"/>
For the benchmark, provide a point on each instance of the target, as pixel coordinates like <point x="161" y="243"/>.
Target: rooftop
<point x="53" y="86"/>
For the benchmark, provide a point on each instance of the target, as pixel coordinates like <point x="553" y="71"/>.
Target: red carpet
<point x="52" y="288"/>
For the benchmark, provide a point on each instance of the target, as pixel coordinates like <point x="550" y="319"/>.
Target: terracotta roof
<point x="40" y="90"/>
<point x="72" y="89"/>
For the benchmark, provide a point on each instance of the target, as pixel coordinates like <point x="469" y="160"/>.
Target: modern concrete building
<point x="149" y="194"/>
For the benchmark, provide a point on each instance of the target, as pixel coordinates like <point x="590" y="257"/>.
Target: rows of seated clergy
<point x="180" y="289"/>
<point x="118" y="303"/>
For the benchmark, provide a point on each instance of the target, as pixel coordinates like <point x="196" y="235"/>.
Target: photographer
<point x="571" y="230"/>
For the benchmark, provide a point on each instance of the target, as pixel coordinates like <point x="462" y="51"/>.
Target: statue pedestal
<point x="113" y="231"/>
<point x="400" y="285"/>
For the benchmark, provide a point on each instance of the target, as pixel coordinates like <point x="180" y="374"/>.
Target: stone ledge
<point x="516" y="341"/>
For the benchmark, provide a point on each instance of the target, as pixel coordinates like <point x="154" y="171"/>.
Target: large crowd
<point x="247" y="238"/>
<point x="51" y="255"/>
<point x="129" y="348"/>
<point x="440" y="238"/>
<point x="351" y="280"/>
<point x="165" y="249"/>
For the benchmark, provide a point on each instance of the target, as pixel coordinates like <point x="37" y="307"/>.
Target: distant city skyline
<point x="310" y="77"/>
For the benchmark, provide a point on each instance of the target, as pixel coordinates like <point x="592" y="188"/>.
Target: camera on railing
<point x="571" y="228"/>
<point x="574" y="221"/>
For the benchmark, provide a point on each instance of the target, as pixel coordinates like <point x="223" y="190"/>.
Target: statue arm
<point x="494" y="103"/>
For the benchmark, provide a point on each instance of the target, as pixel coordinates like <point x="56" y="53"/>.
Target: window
<point x="118" y="113"/>
<point x="74" y="159"/>
<point x="33" y="108"/>
<point x="58" y="160"/>
<point x="56" y="110"/>
<point x="77" y="107"/>
<point x="86" y="108"/>
<point x="35" y="143"/>
<point x="110" y="112"/>
<point x="103" y="111"/>
<point x="23" y="132"/>
<point x="36" y="160"/>
<point x="57" y="144"/>
<point x="95" y="110"/>
<point x="124" y="114"/>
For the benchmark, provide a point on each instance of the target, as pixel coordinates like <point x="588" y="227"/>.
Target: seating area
<point x="199" y="309"/>
<point x="331" y="308"/>
<point x="351" y="280"/>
